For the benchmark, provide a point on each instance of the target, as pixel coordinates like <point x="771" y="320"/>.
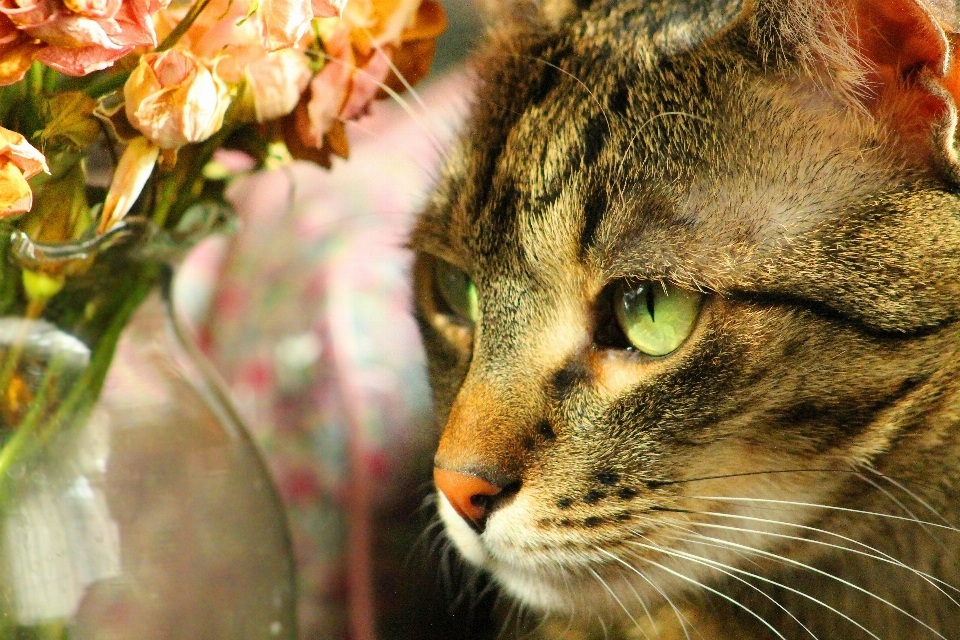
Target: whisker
<point x="691" y="531"/>
<point x="396" y="97"/>
<point x="514" y="610"/>
<point x="636" y="135"/>
<point x="425" y="170"/>
<point x="659" y="482"/>
<point x="728" y="571"/>
<point x="646" y="610"/>
<point x="902" y="506"/>
<point x="590" y="92"/>
<point x="401" y="77"/>
<point x="681" y="618"/>
<point x="877" y="554"/>
<point x="906" y="490"/>
<point x="699" y="584"/>
<point x="825" y="574"/>
<point x="877" y="514"/>
<point x="603" y="625"/>
<point x="618" y="601"/>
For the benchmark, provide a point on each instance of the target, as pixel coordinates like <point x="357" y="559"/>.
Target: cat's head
<point x="686" y="260"/>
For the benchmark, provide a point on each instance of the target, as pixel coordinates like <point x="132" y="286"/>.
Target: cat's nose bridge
<point x="486" y="435"/>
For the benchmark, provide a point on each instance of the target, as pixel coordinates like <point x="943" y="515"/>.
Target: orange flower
<point x="16" y="51"/>
<point x="174" y="99"/>
<point x="77" y="37"/>
<point x="19" y="161"/>
<point x="375" y="40"/>
<point x="226" y="36"/>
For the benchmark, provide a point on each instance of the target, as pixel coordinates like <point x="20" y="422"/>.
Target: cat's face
<point x="660" y="286"/>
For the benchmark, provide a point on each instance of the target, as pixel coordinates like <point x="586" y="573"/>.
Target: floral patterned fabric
<point x="306" y="311"/>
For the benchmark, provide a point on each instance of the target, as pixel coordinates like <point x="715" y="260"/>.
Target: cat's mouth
<point x="546" y="579"/>
<point x="650" y="563"/>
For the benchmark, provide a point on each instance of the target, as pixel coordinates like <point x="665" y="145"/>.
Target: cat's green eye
<point x="655" y="317"/>
<point x="457" y="290"/>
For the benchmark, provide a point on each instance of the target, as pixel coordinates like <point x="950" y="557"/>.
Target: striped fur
<point x="705" y="492"/>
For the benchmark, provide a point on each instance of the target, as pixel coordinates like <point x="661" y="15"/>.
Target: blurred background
<point x="306" y="313"/>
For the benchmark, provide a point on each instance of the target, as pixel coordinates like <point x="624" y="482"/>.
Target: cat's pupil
<point x="655" y="317"/>
<point x="640" y="297"/>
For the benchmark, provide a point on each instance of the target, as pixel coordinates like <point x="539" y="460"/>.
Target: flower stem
<point x="183" y="25"/>
<point x="105" y="85"/>
<point x="25" y="432"/>
<point x="38" y="426"/>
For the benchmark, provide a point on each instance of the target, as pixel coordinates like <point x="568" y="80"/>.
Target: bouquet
<point x="121" y="123"/>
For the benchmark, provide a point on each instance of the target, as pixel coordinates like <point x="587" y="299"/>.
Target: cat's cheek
<point x="466" y="540"/>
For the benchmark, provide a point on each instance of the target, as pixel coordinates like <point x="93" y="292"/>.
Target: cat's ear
<point x="894" y="58"/>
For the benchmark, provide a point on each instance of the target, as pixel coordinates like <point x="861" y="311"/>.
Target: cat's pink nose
<point x="469" y="495"/>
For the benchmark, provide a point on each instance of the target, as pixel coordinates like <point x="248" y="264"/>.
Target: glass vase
<point x="133" y="505"/>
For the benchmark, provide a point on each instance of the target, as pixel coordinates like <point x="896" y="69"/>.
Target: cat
<point x="689" y="286"/>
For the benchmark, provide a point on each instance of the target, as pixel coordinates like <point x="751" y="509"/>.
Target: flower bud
<point x="174" y="99"/>
<point x="131" y="175"/>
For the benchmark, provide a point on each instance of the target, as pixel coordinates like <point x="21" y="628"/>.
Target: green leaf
<point x="70" y="120"/>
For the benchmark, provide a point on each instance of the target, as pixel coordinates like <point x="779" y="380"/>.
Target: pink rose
<point x="364" y="48"/>
<point x="173" y="98"/>
<point x="81" y="36"/>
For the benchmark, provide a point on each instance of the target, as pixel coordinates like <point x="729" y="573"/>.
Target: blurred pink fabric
<point x="306" y="312"/>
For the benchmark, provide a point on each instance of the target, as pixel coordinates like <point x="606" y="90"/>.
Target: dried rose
<point x="77" y="37"/>
<point x="16" y="51"/>
<point x="365" y="49"/>
<point x="173" y="99"/>
<point x="276" y="81"/>
<point x="19" y="161"/>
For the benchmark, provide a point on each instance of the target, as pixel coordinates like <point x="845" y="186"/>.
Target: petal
<point x="73" y="31"/>
<point x="395" y="16"/>
<point x="9" y="34"/>
<point x="174" y="99"/>
<point x="136" y="27"/>
<point x="28" y="14"/>
<point x="16" y="60"/>
<point x="15" y="149"/>
<point x="277" y="80"/>
<point x="366" y="84"/>
<point x="96" y="9"/>
<point x="430" y="22"/>
<point x="328" y="8"/>
<point x="134" y="169"/>
<point x="80" y="62"/>
<point x="284" y="22"/>
<point x="15" y="194"/>
<point x="328" y="93"/>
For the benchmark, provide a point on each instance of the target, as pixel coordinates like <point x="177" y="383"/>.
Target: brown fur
<point x="708" y="148"/>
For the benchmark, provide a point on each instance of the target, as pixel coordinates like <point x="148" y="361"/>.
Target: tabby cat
<point x="689" y="286"/>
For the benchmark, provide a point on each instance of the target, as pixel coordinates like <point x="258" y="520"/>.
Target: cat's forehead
<point x="682" y="162"/>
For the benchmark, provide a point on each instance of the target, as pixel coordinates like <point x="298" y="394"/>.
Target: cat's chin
<point x="538" y="589"/>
